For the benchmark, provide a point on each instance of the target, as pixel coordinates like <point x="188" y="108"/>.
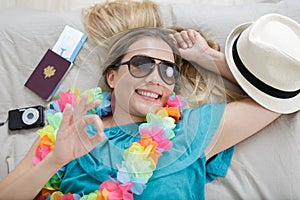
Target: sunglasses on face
<point x="140" y="66"/>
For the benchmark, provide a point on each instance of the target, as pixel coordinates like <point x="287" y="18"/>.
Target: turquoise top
<point x="181" y="172"/>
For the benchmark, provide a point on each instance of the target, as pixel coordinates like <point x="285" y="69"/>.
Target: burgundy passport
<point x="46" y="77"/>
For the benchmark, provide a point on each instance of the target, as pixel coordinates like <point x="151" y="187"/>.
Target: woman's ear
<point x="110" y="78"/>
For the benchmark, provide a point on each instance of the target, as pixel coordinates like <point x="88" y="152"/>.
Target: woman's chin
<point x="146" y="105"/>
<point x="145" y="109"/>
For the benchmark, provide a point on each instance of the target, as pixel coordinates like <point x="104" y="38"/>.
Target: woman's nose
<point x="154" y="77"/>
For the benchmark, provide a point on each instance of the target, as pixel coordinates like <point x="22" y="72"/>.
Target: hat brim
<point x="284" y="106"/>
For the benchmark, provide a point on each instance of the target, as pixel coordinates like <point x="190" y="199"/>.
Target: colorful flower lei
<point x="140" y="159"/>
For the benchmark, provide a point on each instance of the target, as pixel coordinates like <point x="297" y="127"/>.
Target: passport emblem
<point x="49" y="71"/>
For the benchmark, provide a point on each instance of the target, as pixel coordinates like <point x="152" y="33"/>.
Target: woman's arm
<point x="222" y="68"/>
<point x="72" y="142"/>
<point x="26" y="180"/>
<point x="241" y="119"/>
<point x="194" y="48"/>
<point x="21" y="168"/>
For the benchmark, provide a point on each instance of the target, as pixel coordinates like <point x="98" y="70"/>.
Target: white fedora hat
<point x="264" y="58"/>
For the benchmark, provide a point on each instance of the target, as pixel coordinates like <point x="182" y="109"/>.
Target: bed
<point x="265" y="166"/>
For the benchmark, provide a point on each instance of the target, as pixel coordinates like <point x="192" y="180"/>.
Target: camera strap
<point x="2" y="123"/>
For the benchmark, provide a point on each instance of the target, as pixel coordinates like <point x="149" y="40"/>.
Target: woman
<point x="198" y="152"/>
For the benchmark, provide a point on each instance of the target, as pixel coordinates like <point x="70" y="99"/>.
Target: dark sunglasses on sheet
<point x="140" y="66"/>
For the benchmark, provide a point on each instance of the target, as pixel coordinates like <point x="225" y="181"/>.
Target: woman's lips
<point x="148" y="94"/>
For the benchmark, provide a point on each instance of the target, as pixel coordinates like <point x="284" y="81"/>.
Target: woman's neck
<point x="120" y="118"/>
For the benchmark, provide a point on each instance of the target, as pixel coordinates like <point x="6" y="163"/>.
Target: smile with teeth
<point x="148" y="94"/>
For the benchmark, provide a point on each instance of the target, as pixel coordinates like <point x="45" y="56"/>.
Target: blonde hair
<point x="104" y="20"/>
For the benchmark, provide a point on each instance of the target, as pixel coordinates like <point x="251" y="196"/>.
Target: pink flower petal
<point x="165" y="145"/>
<point x="145" y="131"/>
<point x="117" y="190"/>
<point x="115" y="195"/>
<point x="158" y="133"/>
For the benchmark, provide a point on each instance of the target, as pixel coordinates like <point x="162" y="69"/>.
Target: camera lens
<point x="30" y="116"/>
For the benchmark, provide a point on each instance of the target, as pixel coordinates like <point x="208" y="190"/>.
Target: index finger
<point x="65" y="122"/>
<point x="192" y="35"/>
<point x="180" y="41"/>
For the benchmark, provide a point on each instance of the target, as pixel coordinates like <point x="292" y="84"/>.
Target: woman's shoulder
<point x="200" y="124"/>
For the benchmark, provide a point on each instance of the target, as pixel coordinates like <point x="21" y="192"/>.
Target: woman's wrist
<point x="53" y="162"/>
<point x="220" y="65"/>
<point x="217" y="58"/>
<point x="210" y="60"/>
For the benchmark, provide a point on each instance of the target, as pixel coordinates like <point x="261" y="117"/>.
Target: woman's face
<point x="138" y="96"/>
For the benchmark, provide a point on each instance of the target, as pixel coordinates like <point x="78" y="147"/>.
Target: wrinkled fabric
<point x="181" y="173"/>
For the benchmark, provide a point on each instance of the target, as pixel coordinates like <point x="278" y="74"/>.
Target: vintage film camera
<point x="25" y="118"/>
